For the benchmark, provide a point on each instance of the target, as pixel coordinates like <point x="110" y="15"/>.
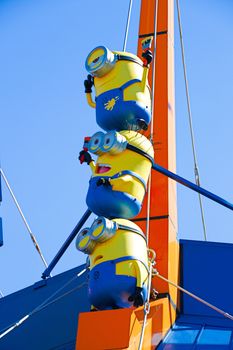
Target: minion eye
<point x="103" y="229"/>
<point x="84" y="242"/>
<point x="84" y="233"/>
<point x="96" y="60"/>
<point x="96" y="142"/>
<point x="107" y="141"/>
<point x="100" y="61"/>
<point x="114" y="143"/>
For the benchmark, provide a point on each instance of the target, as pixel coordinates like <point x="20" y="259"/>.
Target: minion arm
<point x="85" y="157"/>
<point x="144" y="77"/>
<point x="92" y="166"/>
<point x="147" y="58"/>
<point x="89" y="100"/>
<point x="88" y="83"/>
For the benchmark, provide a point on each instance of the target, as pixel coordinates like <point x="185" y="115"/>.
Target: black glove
<point x="88" y="83"/>
<point x="103" y="182"/>
<point x="85" y="157"/>
<point x="148" y="56"/>
<point x="137" y="297"/>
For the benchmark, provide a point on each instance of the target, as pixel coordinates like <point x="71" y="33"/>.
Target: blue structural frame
<point x="53" y="326"/>
<point x="1" y="233"/>
<point x="1" y="230"/>
<point x="192" y="186"/>
<point x="155" y="167"/>
<point x="205" y="270"/>
<point x="66" y="244"/>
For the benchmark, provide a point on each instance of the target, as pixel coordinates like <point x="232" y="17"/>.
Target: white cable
<point x="152" y="119"/>
<point x="196" y="171"/>
<point x="127" y="25"/>
<point x="223" y="313"/>
<point x="44" y="304"/>
<point x="146" y="309"/>
<point x="33" y="238"/>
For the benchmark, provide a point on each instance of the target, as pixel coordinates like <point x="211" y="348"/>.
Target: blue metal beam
<point x="66" y="244"/>
<point x="1" y="233"/>
<point x="1" y="230"/>
<point x="192" y="186"/>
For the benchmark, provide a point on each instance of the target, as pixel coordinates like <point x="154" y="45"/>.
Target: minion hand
<point x="85" y="157"/>
<point x="103" y="182"/>
<point x="137" y="297"/>
<point x="147" y="55"/>
<point x="88" y="83"/>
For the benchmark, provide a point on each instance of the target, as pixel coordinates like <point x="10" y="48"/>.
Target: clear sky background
<point x="44" y="117"/>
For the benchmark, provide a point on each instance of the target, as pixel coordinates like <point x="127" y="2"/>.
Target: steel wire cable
<point x="152" y="117"/>
<point x="32" y="236"/>
<point x="44" y="304"/>
<point x="147" y="303"/>
<point x="196" y="171"/>
<point x="220" y="311"/>
<point x="127" y="25"/>
<point x="146" y="309"/>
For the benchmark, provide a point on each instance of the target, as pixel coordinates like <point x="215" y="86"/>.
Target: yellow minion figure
<point x="118" y="263"/>
<point x="123" y="99"/>
<point x="120" y="174"/>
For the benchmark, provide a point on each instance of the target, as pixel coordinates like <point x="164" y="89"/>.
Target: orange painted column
<point x="163" y="209"/>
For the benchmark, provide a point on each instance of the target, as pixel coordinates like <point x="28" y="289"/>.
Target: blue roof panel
<point x="200" y="336"/>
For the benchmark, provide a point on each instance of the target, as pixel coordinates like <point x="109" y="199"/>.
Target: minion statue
<point x="118" y="257"/>
<point x="120" y="174"/>
<point x="123" y="99"/>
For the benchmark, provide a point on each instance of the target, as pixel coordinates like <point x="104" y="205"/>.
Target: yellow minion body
<point x="121" y="80"/>
<point x="124" y="243"/>
<point x="127" y="160"/>
<point x="123" y="72"/>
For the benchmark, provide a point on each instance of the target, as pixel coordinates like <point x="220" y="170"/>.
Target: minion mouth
<point x="102" y="168"/>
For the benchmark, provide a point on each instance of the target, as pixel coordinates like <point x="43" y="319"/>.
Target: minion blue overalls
<point x="105" y="287"/>
<point x="103" y="201"/>
<point x="113" y="113"/>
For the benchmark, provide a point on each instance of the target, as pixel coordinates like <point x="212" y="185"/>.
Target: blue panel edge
<point x="1" y="233"/>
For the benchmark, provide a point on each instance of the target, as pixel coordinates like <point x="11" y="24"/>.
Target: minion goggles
<point x="100" y="231"/>
<point x="101" y="61"/>
<point x="112" y="143"/>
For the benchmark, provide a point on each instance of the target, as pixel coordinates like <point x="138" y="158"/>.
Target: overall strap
<point x="131" y="257"/>
<point x="130" y="82"/>
<point x="132" y="173"/>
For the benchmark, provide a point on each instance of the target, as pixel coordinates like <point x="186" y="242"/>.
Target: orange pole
<point x="163" y="210"/>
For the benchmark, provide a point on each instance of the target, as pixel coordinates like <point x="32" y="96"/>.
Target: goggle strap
<point x="139" y="151"/>
<point x="128" y="58"/>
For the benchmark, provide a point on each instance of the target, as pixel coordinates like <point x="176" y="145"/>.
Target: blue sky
<point x="44" y="117"/>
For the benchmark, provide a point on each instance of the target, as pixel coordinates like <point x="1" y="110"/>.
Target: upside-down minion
<point x="120" y="174"/>
<point x="123" y="99"/>
<point x="118" y="263"/>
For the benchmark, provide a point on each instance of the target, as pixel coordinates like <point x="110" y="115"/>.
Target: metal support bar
<point x="192" y="186"/>
<point x="1" y="234"/>
<point x="66" y="244"/>
<point x="1" y="231"/>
